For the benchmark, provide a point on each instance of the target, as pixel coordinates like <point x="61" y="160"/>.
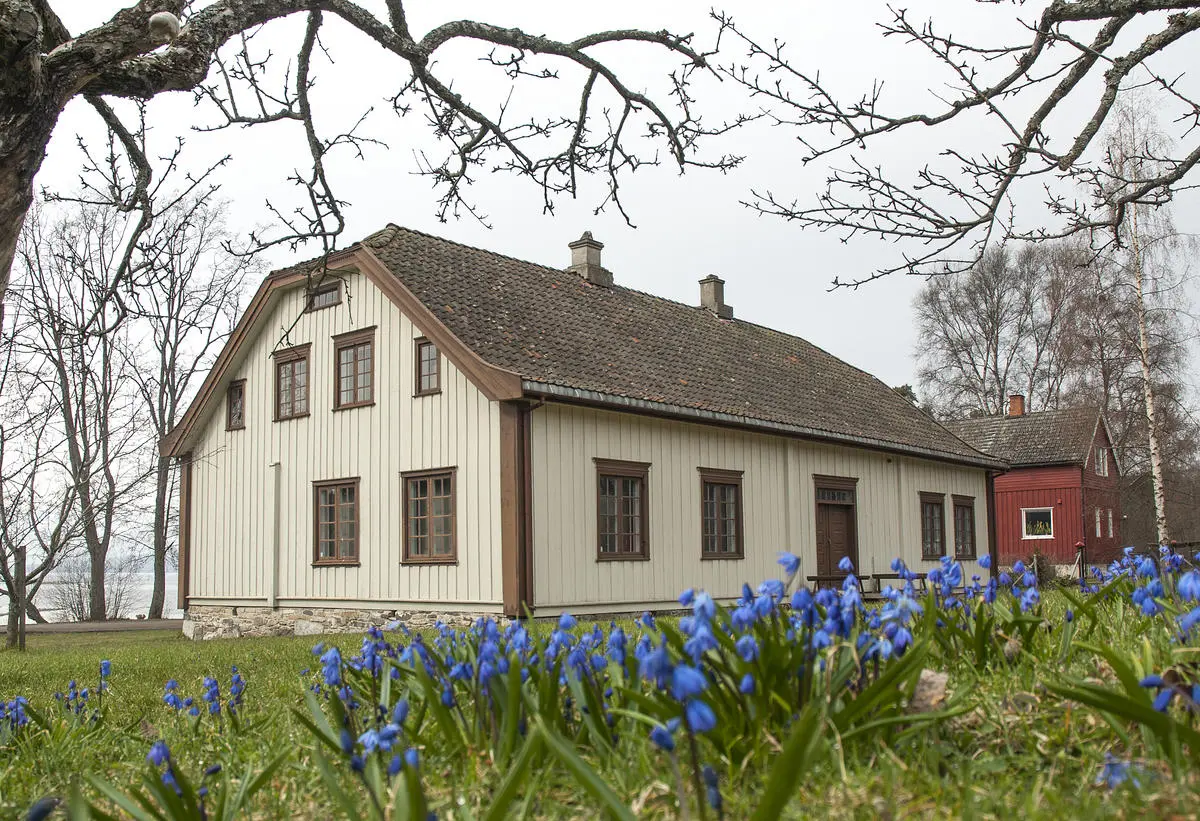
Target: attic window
<point x="429" y="377"/>
<point x="1101" y="461"/>
<point x="324" y="296"/>
<point x="235" y="405"/>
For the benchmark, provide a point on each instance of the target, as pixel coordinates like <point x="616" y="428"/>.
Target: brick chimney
<point x="712" y="296"/>
<point x="1016" y="404"/>
<point x="585" y="261"/>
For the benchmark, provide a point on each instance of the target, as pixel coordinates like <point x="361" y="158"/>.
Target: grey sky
<point x="688" y="226"/>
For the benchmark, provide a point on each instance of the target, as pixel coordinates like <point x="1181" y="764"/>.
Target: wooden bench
<point x="883" y="579"/>
<point x="835" y="581"/>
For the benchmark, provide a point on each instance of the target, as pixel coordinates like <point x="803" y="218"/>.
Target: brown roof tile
<point x="554" y="328"/>
<point x="1055" y="437"/>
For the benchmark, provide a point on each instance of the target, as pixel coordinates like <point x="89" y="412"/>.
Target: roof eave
<point x="573" y="395"/>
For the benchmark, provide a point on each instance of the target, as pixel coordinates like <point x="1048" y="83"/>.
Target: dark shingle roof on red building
<point x="554" y="328"/>
<point x="1054" y="437"/>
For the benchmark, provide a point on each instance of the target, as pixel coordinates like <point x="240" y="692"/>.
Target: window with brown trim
<point x="430" y="532"/>
<point x="721" y="514"/>
<point x="933" y="526"/>
<point x="325" y="295"/>
<point x="622" y="510"/>
<point x="964" y="527"/>
<point x="336" y="519"/>
<point x="291" y="383"/>
<point x="428" y="370"/>
<point x="235" y="405"/>
<point x="354" y="369"/>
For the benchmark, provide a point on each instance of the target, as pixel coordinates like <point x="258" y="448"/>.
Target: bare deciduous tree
<point x="1025" y="86"/>
<point x="65" y="275"/>
<point x="179" y="323"/>
<point x="43" y="66"/>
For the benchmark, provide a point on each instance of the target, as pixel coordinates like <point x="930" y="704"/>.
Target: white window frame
<point x="1110" y="523"/>
<point x="1024" y="522"/>
<point x="1098" y="530"/>
<point x="1101" y="460"/>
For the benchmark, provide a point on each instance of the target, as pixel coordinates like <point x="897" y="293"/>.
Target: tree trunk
<point x="1156" y="468"/>
<point x="162" y="501"/>
<point x="13" y="627"/>
<point x="24" y="135"/>
<point x="97" y="606"/>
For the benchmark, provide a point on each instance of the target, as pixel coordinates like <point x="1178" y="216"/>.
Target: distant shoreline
<point x="139" y="598"/>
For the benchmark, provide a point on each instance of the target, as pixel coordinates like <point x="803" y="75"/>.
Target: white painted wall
<point x="778" y="503"/>
<point x="233" y="510"/>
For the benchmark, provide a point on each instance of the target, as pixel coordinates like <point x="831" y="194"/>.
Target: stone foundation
<point x="212" y="622"/>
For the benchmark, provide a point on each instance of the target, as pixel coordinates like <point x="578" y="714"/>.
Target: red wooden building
<point x="1062" y="487"/>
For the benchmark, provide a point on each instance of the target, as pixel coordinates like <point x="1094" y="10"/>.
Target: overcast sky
<point x="687" y="226"/>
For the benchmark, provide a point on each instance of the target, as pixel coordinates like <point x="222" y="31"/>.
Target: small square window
<point x="235" y="405"/>
<point x="1037" y="523"/>
<point x="428" y="369"/>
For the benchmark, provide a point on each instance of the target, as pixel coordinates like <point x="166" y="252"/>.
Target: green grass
<point x="1015" y="751"/>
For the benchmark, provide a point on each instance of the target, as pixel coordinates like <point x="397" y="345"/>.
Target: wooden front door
<point x="835" y="537"/>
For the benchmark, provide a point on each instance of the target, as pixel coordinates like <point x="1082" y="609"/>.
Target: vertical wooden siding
<point x="779" y="505"/>
<point x="233" y="481"/>
<point x="1053" y="487"/>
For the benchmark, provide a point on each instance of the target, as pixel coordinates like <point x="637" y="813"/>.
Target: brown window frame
<point x="621" y="469"/>
<point x="336" y="485"/>
<point x="430" y="475"/>
<point x="287" y="356"/>
<point x="320" y="289"/>
<point x="419" y="344"/>
<point x="966" y="503"/>
<point x="723" y="478"/>
<point x="939" y="499"/>
<point x="352" y="339"/>
<point x="236" y="384"/>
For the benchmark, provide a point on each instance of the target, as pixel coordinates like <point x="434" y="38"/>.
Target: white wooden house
<point x="429" y="428"/>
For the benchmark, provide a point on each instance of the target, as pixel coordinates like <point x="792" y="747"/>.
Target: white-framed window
<point x="1101" y="461"/>
<point x="1037" y="522"/>
<point x="1110" y="526"/>
<point x="1098" y="512"/>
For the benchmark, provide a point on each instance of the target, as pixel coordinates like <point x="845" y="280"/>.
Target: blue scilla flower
<point x="1029" y="599"/>
<point x="747" y="648"/>
<point x="395" y="765"/>
<point x="743" y="618"/>
<point x="687" y="597"/>
<point x="400" y="712"/>
<point x="105" y="668"/>
<point x="700" y="717"/>
<point x="985" y="561"/>
<point x="1147" y="569"/>
<point x="687" y="682"/>
<point x="790" y="563"/>
<point x="331" y="666"/>
<point x="1153" y="680"/>
<point x="159" y="753"/>
<point x="1116" y="772"/>
<point x="566" y="621"/>
<point x="845" y="565"/>
<point x="412" y="758"/>
<point x="663" y="736"/>
<point x="1189" y="586"/>
<point x="700" y="643"/>
<point x="773" y="588"/>
<point x="347" y="741"/>
<point x="212" y="695"/>
<point x="1189" y="622"/>
<point x="746" y="686"/>
<point x="712" y="788"/>
<point x="704" y="608"/>
<point x="1018" y="567"/>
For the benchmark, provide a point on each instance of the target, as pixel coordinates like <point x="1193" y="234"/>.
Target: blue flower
<point x="746" y="686"/>
<point x="400" y="712"/>
<point x="159" y="753"/>
<point x="1154" y="680"/>
<point x="704" y="608"/>
<point x="687" y="597"/>
<point x="412" y="758"/>
<point x="687" y="682"/>
<point x="1163" y="700"/>
<point x="985" y="561"/>
<point x="105" y="668"/>
<point x="790" y="563"/>
<point x="347" y="741"/>
<point x="700" y="717"/>
<point x="566" y="621"/>
<point x="1115" y="772"/>
<point x="663" y="737"/>
<point x="712" y="788"/>
<point x="845" y="565"/>
<point x="1189" y="586"/>
<point x="747" y="648"/>
<point x="395" y="765"/>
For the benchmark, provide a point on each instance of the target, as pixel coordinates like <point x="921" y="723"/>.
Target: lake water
<point x="142" y="587"/>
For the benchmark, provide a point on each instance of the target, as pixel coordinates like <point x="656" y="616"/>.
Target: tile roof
<point x="1054" y="437"/>
<point x="554" y="328"/>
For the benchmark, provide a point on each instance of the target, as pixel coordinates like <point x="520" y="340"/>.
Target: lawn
<point x="850" y="740"/>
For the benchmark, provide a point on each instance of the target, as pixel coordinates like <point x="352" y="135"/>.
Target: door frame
<point x="845" y="489"/>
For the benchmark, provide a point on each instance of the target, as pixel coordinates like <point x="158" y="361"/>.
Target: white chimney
<point x="712" y="296"/>
<point x="585" y="261"/>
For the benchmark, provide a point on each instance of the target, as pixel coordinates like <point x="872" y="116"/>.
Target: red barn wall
<point x="1059" y="488"/>
<point x="1101" y="492"/>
